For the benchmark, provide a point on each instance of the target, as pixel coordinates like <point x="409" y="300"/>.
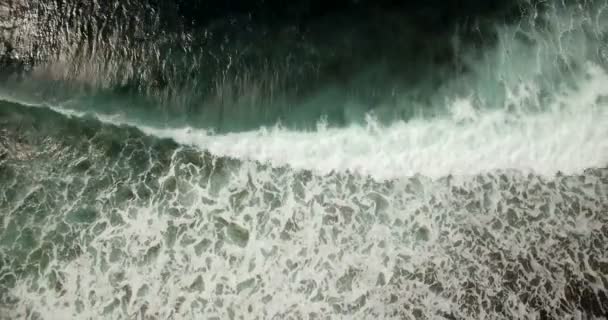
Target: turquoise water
<point x="483" y="195"/>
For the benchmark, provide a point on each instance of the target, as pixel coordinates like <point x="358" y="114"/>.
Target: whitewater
<point x="570" y="136"/>
<point x="567" y="136"/>
<point x="493" y="207"/>
<point x="361" y="221"/>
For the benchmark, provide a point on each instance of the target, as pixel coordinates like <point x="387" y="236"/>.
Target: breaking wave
<point x="487" y="198"/>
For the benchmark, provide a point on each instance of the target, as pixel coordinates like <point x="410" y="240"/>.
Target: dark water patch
<point x="241" y="64"/>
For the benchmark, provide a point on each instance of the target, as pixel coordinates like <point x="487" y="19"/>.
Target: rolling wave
<point x="568" y="136"/>
<point x="217" y="191"/>
<point x="105" y="220"/>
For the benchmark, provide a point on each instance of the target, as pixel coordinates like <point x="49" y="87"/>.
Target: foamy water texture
<point x="568" y="135"/>
<point x="567" y="141"/>
<point x="120" y="225"/>
<point x="490" y="210"/>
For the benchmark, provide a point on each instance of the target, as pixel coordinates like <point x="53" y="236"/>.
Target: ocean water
<point x="486" y="199"/>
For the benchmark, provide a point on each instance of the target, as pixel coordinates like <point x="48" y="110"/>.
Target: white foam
<point x="568" y="136"/>
<point x="545" y="144"/>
